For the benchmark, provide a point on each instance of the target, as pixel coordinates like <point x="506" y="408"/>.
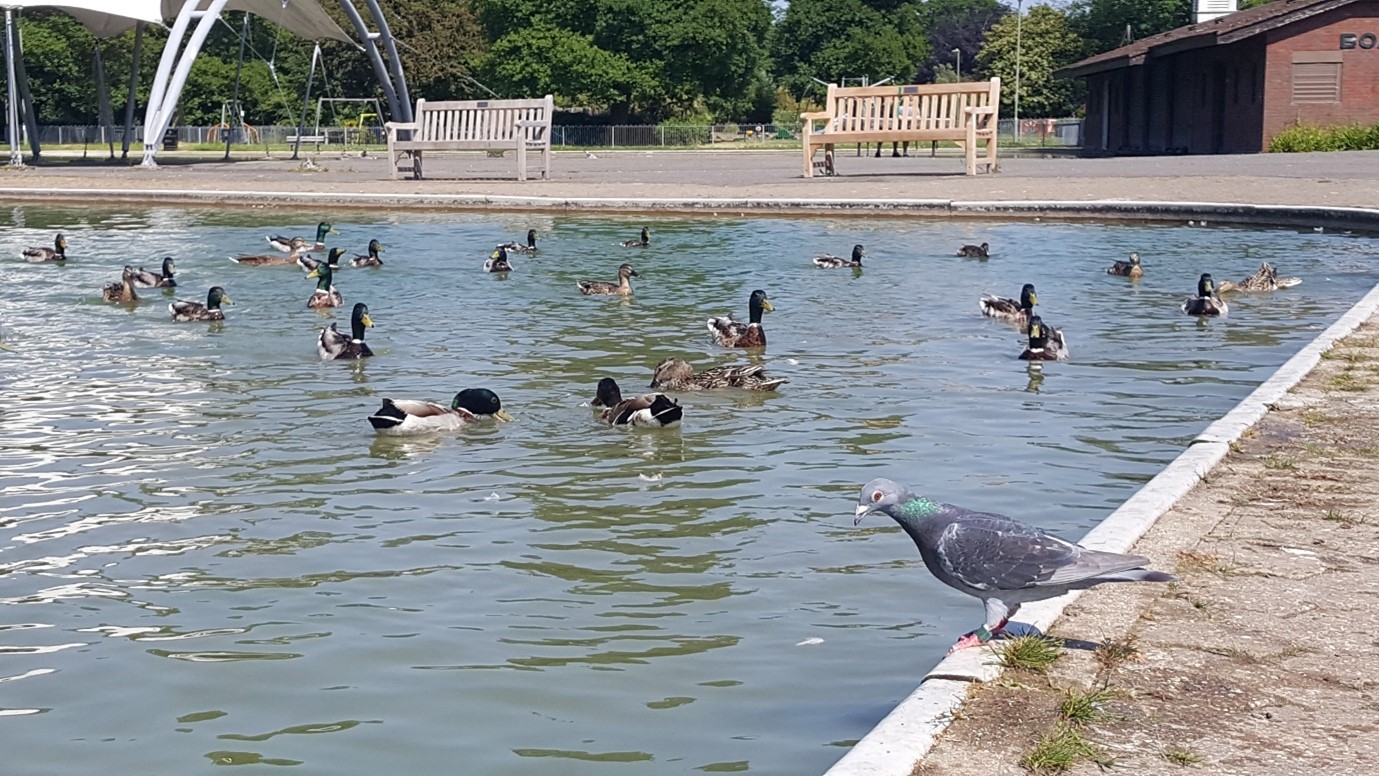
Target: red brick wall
<point x="1359" y="70"/>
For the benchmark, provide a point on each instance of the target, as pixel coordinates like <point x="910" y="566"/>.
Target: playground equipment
<point x="240" y="131"/>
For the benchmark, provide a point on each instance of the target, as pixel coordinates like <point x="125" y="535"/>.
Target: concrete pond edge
<point x="910" y="730"/>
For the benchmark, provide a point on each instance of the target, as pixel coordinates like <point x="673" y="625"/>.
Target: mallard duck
<point x="974" y="251"/>
<point x="325" y="294"/>
<point x="145" y="279"/>
<point x="1045" y="342"/>
<point x="372" y="259"/>
<point x="1129" y="269"/>
<point x="334" y="346"/>
<point x="410" y="416"/>
<point x="1206" y="302"/>
<point x="184" y="311"/>
<point x="293" y="244"/>
<point x="1264" y="279"/>
<point x="642" y="243"/>
<point x="674" y="374"/>
<point x="602" y="287"/>
<point x="56" y="253"/>
<point x="735" y="334"/>
<point x="1013" y="310"/>
<point x="268" y="259"/>
<point x="516" y="247"/>
<point x="498" y="261"/>
<point x="829" y="261"/>
<point x="333" y="259"/>
<point x="122" y="291"/>
<point x="653" y="409"/>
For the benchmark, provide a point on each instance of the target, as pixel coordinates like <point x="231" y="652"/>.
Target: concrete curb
<point x="906" y="735"/>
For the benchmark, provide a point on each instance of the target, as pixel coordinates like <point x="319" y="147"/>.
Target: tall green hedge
<point x="1306" y="137"/>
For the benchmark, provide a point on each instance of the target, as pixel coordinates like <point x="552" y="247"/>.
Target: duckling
<point x="829" y="261"/>
<point x="975" y="251"/>
<point x="294" y="244"/>
<point x="333" y="259"/>
<point x="1264" y="279"/>
<point x="642" y="243"/>
<point x="674" y="374"/>
<point x="735" y="334"/>
<point x="325" y="294"/>
<point x="653" y="409"/>
<point x="56" y="253"/>
<point x="184" y="311"/>
<point x="603" y="288"/>
<point x="372" y="259"/>
<point x="334" y="346"/>
<point x="516" y="247"/>
<point x="145" y="279"/>
<point x="1206" y="302"/>
<point x="122" y="291"/>
<point x="411" y="416"/>
<point x="993" y="306"/>
<point x="1129" y="269"/>
<point x="1045" y="342"/>
<point x="498" y="261"/>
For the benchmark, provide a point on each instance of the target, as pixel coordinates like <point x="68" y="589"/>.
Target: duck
<point x="1045" y="342"/>
<point x="516" y="247"/>
<point x="145" y="279"/>
<point x="1129" y="269"/>
<point x="1013" y="310"/>
<point x="735" y="334"/>
<point x="1206" y="302"/>
<point x="334" y="346"/>
<point x="602" y="287"/>
<point x="498" y="261"/>
<point x="371" y="259"/>
<point x="975" y="251"/>
<point x="644" y="242"/>
<point x="122" y="291"/>
<point x="325" y="294"/>
<point x="1264" y="279"/>
<point x="675" y="374"/>
<point x="653" y="409"/>
<point x="829" y="261"/>
<point x="294" y="244"/>
<point x="184" y="311"/>
<point x="56" y="253"/>
<point x="268" y="259"/>
<point x="333" y="259"/>
<point x="412" y="416"/>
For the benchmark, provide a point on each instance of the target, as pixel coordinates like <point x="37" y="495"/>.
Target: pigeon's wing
<point x="992" y="552"/>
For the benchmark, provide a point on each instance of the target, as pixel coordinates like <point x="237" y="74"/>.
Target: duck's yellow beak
<point x="331" y="231"/>
<point x="502" y="414"/>
<point x="765" y="305"/>
<point x="226" y="300"/>
<point x="315" y="273"/>
<point x="1034" y="299"/>
<point x="494" y="255"/>
<point x="366" y="320"/>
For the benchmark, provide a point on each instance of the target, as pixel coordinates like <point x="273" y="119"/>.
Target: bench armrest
<point x="987" y="111"/>
<point x="392" y="127"/>
<point x="819" y="115"/>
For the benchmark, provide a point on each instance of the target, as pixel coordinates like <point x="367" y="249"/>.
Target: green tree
<point x="1045" y="44"/>
<point x="1103" y="24"/>
<point x="954" y="24"/>
<point x="548" y="60"/>
<point x="834" y="39"/>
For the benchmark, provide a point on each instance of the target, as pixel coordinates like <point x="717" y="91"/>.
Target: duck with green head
<point x="653" y="409"/>
<point x="334" y="346"/>
<point x="644" y="242"/>
<point x="829" y="261"/>
<point x="1045" y="342"/>
<point x="289" y="244"/>
<point x="184" y="311"/>
<point x="735" y="334"/>
<point x="413" y="416"/>
<point x="145" y="279"/>
<point x="372" y="259"/>
<point x="56" y="253"/>
<point x="333" y="259"/>
<point x="325" y="294"/>
<point x="1007" y="309"/>
<point x="1206" y="303"/>
<point x="498" y="261"/>
<point x="516" y="247"/>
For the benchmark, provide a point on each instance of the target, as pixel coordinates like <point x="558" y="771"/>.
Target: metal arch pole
<point x="167" y="90"/>
<point x="1019" y="14"/>
<point x="133" y="91"/>
<point x="306" y="99"/>
<point x="238" y="119"/>
<point x="380" y="70"/>
<point x="394" y="61"/>
<point x="107" y="116"/>
<point x="12" y="106"/>
<point x="26" y="97"/>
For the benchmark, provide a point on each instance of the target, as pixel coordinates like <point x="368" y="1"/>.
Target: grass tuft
<point x="1195" y="562"/>
<point x="1114" y="652"/>
<point x="1181" y="755"/>
<point x="1083" y="708"/>
<point x="1280" y="461"/>
<point x="1034" y="653"/>
<point x="1060" y="749"/>
<point x="1345" y="521"/>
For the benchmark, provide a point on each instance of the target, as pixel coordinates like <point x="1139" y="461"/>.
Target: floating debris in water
<point x="650" y="477"/>
<point x="493" y="497"/>
<point x="792" y="361"/>
<point x="811" y="641"/>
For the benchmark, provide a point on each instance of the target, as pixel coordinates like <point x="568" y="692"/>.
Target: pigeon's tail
<point x="1138" y="575"/>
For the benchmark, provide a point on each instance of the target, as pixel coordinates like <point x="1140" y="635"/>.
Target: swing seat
<point x="473" y="125"/>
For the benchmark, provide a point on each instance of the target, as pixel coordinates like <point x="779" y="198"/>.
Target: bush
<point x="1307" y="137"/>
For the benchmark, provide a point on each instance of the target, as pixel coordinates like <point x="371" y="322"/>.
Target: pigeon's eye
<point x="876" y="495"/>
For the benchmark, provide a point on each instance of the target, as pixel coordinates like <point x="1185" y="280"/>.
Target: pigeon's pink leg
<point x="978" y="637"/>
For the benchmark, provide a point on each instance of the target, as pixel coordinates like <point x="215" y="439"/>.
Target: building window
<point x="1316" y="77"/>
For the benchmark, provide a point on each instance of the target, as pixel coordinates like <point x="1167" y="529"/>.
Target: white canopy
<point x="104" y="18"/>
<point x="108" y="18"/>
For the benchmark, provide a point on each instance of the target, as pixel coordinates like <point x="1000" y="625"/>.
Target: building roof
<point x="1221" y="30"/>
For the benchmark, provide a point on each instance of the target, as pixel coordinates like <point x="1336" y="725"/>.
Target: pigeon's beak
<point x="862" y="511"/>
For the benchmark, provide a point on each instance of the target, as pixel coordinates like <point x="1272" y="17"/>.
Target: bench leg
<point x="991" y="164"/>
<point x="521" y="159"/>
<point x="829" y="169"/>
<point x="416" y="165"/>
<point x="809" y="151"/>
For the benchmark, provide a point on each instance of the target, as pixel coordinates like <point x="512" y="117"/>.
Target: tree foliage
<point x="955" y="24"/>
<point x="1045" y="43"/>
<point x="830" y="40"/>
<point x="1103" y="24"/>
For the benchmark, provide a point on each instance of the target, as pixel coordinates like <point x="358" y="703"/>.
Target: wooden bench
<point x="962" y="112"/>
<point x="521" y="125"/>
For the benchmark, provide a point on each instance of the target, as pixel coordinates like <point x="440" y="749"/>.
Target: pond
<point x="206" y="554"/>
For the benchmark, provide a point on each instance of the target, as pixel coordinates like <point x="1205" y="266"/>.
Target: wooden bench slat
<point x="519" y="125"/>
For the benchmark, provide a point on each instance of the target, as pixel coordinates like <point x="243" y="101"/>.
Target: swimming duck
<point x="516" y="247"/>
<point x="325" y="294"/>
<point x="333" y="259"/>
<point x="184" y="311"/>
<point x="674" y="374"/>
<point x="642" y="243"/>
<point x="653" y="409"/>
<point x="122" y="291"/>
<point x="145" y="279"/>
<point x="1013" y="310"/>
<point x="410" y="416"/>
<point x="1264" y="279"/>
<point x="268" y="259"/>
<point x="56" y="253"/>
<point x="1130" y="269"/>
<point x="1045" y="342"/>
<point x="498" y="261"/>
<point x="974" y="251"/>
<point x="334" y="346"/>
<point x="372" y="259"/>
<point x="829" y="261"/>
<point x="735" y="334"/>
<point x="293" y="244"/>
<point x="602" y="287"/>
<point x="1206" y="302"/>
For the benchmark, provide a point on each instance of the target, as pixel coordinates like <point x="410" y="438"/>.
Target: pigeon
<point x="997" y="558"/>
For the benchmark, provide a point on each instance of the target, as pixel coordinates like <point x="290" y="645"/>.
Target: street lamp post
<point x="1019" y="15"/>
<point x="957" y="53"/>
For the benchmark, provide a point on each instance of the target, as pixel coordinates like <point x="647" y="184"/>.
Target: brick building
<point x="1229" y="84"/>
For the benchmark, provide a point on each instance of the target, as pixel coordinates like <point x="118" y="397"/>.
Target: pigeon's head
<point x="880" y="495"/>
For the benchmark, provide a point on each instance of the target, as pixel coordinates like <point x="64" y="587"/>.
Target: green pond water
<point x="207" y="556"/>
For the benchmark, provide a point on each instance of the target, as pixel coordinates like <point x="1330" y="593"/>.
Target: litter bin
<point x="170" y="139"/>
